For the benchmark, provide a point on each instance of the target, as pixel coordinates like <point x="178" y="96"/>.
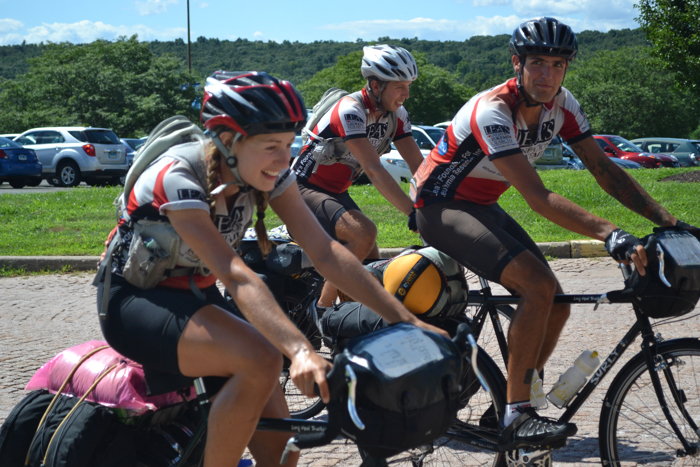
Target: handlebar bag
<point x="674" y="255"/>
<point x="407" y="388"/>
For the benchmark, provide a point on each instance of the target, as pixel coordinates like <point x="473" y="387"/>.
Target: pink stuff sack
<point x="124" y="387"/>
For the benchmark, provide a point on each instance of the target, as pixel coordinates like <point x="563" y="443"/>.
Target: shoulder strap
<point x="166" y="134"/>
<point x="327" y="101"/>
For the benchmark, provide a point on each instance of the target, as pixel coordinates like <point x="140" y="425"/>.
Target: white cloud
<point x="153" y="7"/>
<point x="490" y="2"/>
<point x="258" y="35"/>
<point x="7" y="25"/>
<point x="203" y="5"/>
<point x="426" y="28"/>
<point x="87" y="31"/>
<point x="595" y="14"/>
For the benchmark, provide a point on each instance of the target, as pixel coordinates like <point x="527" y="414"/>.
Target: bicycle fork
<point x="656" y="363"/>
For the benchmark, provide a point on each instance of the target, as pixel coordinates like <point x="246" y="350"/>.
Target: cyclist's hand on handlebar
<point x="308" y="368"/>
<point x="690" y="228"/>
<point x="625" y="247"/>
<point x="431" y="328"/>
<point x="412" y="223"/>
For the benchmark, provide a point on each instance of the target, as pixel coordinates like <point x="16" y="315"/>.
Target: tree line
<point x="130" y="86"/>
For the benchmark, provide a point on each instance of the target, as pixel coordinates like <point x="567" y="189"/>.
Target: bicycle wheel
<point x="487" y="337"/>
<point x="299" y="405"/>
<point x="477" y="419"/>
<point x="632" y="426"/>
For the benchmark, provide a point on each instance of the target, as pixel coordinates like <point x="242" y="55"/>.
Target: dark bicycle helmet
<point x="252" y="103"/>
<point x="249" y="103"/>
<point x="544" y="36"/>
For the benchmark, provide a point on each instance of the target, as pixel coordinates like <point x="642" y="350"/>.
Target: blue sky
<point x="80" y="21"/>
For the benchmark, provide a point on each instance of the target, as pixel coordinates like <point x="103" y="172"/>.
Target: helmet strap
<point x="231" y="161"/>
<point x="378" y="99"/>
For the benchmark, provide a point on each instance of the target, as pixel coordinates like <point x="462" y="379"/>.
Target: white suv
<point x="70" y="155"/>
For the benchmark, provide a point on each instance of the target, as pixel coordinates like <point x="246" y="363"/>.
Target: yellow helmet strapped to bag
<point x="426" y="281"/>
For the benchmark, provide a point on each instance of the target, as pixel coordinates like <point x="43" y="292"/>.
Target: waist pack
<point x="407" y="389"/>
<point x="671" y="286"/>
<point x="427" y="281"/>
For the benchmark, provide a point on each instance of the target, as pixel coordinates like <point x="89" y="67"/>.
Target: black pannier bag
<point x="407" y="390"/>
<point x="671" y="286"/>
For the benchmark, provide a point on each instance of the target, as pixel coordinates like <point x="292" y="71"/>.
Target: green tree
<point x="435" y="96"/>
<point x="673" y="27"/>
<point x="628" y="93"/>
<point x="120" y="85"/>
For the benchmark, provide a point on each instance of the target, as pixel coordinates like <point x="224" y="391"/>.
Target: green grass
<point x="77" y="221"/>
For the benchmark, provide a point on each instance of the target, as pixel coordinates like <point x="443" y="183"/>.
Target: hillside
<point x="478" y="61"/>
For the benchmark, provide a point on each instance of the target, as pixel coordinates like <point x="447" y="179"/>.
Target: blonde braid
<point x="261" y="198"/>
<point x="213" y="163"/>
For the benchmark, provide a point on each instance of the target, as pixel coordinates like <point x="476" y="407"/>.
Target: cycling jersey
<point x="346" y="120"/>
<point x="168" y="184"/>
<point x="461" y="166"/>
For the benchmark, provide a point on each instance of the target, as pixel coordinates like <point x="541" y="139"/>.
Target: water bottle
<point x="537" y="398"/>
<point x="574" y="378"/>
<point x="154" y="247"/>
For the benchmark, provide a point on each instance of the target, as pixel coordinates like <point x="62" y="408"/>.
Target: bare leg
<point x="359" y="235"/>
<point x="537" y="323"/>
<point x="215" y="343"/>
<point x="267" y="446"/>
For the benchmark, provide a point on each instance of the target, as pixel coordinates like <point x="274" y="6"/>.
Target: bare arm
<point x="337" y="264"/>
<point x="410" y="152"/>
<point x="368" y="158"/>
<point x="251" y="295"/>
<point x="619" y="184"/>
<point x="518" y="171"/>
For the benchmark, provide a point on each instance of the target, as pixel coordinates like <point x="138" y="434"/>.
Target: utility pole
<point x="189" y="59"/>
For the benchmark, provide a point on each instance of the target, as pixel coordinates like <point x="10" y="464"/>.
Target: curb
<point x="570" y="249"/>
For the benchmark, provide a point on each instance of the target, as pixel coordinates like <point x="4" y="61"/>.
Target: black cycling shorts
<point x="483" y="238"/>
<point x="327" y="206"/>
<point x="145" y="326"/>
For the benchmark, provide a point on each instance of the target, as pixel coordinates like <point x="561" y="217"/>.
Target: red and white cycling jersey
<point x="461" y="166"/>
<point x="346" y="120"/>
<point x="169" y="184"/>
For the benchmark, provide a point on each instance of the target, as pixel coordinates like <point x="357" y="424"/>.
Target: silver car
<point x="687" y="151"/>
<point x="70" y="155"/>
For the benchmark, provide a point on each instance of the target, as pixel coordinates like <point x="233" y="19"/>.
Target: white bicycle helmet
<point x="388" y="63"/>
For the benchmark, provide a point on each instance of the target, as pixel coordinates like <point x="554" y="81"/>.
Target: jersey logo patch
<point x="443" y="144"/>
<point x="191" y="194"/>
<point x="492" y="129"/>
<point x="354" y="123"/>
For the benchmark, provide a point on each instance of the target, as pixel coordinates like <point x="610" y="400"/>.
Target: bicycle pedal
<point x="527" y="457"/>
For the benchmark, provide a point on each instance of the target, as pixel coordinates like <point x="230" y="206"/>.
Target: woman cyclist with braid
<point x="182" y="332"/>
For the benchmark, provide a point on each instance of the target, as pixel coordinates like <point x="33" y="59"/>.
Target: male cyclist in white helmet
<point x="488" y="147"/>
<point x="361" y="121"/>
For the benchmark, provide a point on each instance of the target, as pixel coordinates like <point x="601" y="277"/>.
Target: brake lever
<point x="351" y="379"/>
<point x="660" y="254"/>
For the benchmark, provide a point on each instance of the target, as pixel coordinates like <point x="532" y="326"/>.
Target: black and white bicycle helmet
<point x="249" y="103"/>
<point x="544" y="36"/>
<point x="388" y="63"/>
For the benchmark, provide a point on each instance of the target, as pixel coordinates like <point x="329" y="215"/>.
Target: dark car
<point x="18" y="165"/>
<point x="617" y="146"/>
<point x="687" y="151"/>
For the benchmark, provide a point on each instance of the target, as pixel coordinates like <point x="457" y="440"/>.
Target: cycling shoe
<point x="531" y="430"/>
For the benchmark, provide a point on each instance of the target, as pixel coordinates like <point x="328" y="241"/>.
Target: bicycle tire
<point x="487" y="338"/>
<point x="449" y="450"/>
<point x="632" y="425"/>
<point x="300" y="406"/>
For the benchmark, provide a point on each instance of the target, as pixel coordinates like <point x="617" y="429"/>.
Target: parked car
<point x="617" y="146"/>
<point x="70" y="155"/>
<point x="687" y="151"/>
<point x="10" y="136"/>
<point x="296" y="147"/>
<point x="443" y="125"/>
<point x="426" y="137"/>
<point x="553" y="156"/>
<point x="131" y="146"/>
<point x="19" y="166"/>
